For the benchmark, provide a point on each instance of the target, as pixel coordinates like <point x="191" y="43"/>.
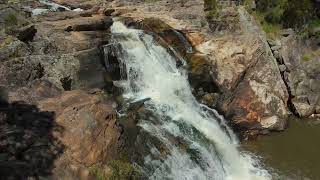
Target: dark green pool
<point x="292" y="154"/>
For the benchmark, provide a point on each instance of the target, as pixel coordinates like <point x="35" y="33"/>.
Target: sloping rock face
<point x="302" y="75"/>
<point x="64" y="48"/>
<point x="47" y="130"/>
<point x="62" y="136"/>
<point x="234" y="71"/>
<point x="28" y="147"/>
<point x="258" y="99"/>
<point x="91" y="133"/>
<point x="254" y="96"/>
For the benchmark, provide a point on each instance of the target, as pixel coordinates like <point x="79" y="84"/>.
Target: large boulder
<point x="253" y="94"/>
<point x="91" y="133"/>
<point x="62" y="136"/>
<point x="244" y="72"/>
<point x="302" y="75"/>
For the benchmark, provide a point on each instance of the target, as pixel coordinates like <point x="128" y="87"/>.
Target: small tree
<point x="297" y="13"/>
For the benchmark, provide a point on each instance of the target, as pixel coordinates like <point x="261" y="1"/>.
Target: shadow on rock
<point x="27" y="145"/>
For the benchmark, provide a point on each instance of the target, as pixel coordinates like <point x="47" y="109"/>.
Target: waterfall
<point x="209" y="149"/>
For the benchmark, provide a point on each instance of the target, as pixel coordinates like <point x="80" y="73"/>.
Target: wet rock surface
<point x="236" y="65"/>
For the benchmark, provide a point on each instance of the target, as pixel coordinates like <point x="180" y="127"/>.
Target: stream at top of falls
<point x="210" y="148"/>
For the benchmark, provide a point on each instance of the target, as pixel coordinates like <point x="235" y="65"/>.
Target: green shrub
<point x="98" y="172"/>
<point x="297" y="13"/>
<point x="6" y="41"/>
<point x="211" y="8"/>
<point x="210" y="5"/>
<point x="123" y="170"/>
<point x="289" y="13"/>
<point x="307" y="57"/>
<point x="308" y="30"/>
<point x="275" y="15"/>
<point x="11" y="19"/>
<point x="272" y="30"/>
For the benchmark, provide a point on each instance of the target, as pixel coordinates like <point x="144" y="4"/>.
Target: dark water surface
<point x="292" y="154"/>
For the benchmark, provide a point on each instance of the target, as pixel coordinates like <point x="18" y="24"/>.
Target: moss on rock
<point x="7" y="40"/>
<point x="122" y="170"/>
<point x="154" y="25"/>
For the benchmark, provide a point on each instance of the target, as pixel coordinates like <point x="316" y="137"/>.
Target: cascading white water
<point x="209" y="149"/>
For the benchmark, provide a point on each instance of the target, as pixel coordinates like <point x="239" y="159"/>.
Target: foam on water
<point x="152" y="73"/>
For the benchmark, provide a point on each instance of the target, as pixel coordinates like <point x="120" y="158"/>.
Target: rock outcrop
<point x="234" y="71"/>
<point x="47" y="129"/>
<point x="65" y="51"/>
<point x="45" y="58"/>
<point x="91" y="133"/>
<point x="302" y="75"/>
<point x="246" y="74"/>
<point x="253" y="96"/>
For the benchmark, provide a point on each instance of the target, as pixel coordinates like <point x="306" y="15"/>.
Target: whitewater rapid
<point x="209" y="149"/>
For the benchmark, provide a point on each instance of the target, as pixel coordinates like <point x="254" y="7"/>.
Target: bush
<point x="297" y="13"/>
<point x="275" y="15"/>
<point x="211" y="9"/>
<point x="123" y="170"/>
<point x="11" y="19"/>
<point x="289" y="13"/>
<point x="98" y="172"/>
<point x="210" y="5"/>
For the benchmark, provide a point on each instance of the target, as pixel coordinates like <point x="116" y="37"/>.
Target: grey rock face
<point x="69" y="60"/>
<point x="303" y="76"/>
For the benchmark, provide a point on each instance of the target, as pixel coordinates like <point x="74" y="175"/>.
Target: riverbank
<point x="292" y="154"/>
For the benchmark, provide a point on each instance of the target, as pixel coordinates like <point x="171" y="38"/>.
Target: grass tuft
<point x="11" y="19"/>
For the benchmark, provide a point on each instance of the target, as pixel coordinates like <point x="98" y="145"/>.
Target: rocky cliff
<point x="56" y="87"/>
<point x="231" y="68"/>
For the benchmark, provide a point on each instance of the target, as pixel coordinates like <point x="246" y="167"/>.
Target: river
<point x="292" y="154"/>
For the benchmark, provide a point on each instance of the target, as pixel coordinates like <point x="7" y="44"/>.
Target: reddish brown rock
<point x="91" y="133"/>
<point x="36" y="91"/>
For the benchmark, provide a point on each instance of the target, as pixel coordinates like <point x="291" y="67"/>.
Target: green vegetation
<point x="291" y="13"/>
<point x="6" y="41"/>
<point x="123" y="170"/>
<point x="98" y="172"/>
<point x="11" y="19"/>
<point x="272" y="29"/>
<point x="311" y="55"/>
<point x="116" y="170"/>
<point x="297" y="13"/>
<point x="155" y="24"/>
<point x="211" y="8"/>
<point x="309" y="29"/>
<point x="307" y="57"/>
<point x="273" y="15"/>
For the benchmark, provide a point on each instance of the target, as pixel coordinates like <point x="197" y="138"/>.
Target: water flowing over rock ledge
<point x="235" y="72"/>
<point x="46" y="58"/>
